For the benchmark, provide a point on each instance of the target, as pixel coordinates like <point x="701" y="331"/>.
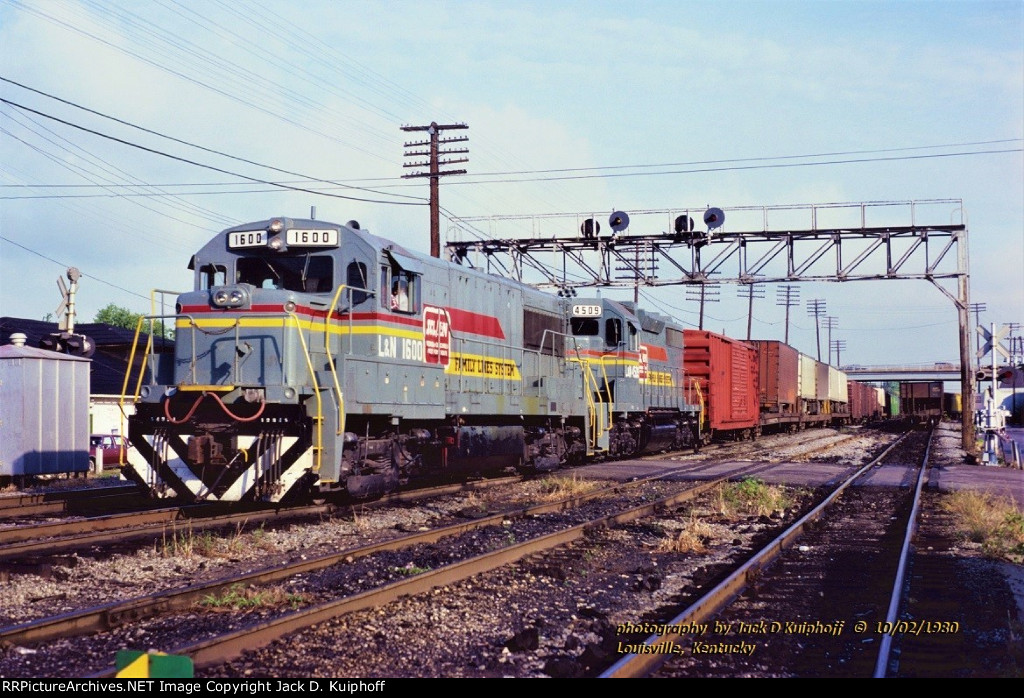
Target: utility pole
<point x="434" y="164"/>
<point x="816" y="307"/>
<point x="788" y="296"/>
<point x="709" y="295"/>
<point x="977" y="309"/>
<point x="838" y="345"/>
<point x="751" y="291"/>
<point x="831" y="323"/>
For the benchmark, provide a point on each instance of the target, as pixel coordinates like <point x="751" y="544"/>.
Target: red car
<point x="105" y="451"/>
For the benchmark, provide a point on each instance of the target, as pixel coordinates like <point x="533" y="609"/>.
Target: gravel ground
<point x="549" y="615"/>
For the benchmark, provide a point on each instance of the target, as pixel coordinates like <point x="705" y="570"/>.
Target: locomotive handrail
<point x="319" y="448"/>
<point x="131" y="360"/>
<point x="330" y="357"/>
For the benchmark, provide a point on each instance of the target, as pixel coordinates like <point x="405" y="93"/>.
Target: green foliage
<point x="751" y="496"/>
<point x="410" y="570"/>
<point x="240" y="599"/>
<point x="997" y="523"/>
<point x="117" y="316"/>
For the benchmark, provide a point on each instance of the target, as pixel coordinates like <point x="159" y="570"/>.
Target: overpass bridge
<point x="941" y="371"/>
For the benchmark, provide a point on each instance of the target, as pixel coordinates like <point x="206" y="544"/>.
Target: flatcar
<point x="314" y="357"/>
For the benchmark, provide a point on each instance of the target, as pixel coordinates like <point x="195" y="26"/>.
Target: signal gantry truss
<point x="833" y="242"/>
<point x="902" y="249"/>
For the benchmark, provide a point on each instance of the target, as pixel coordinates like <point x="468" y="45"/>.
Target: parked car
<point x="105" y="451"/>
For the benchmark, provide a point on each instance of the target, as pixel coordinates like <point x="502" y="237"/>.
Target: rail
<point x="636" y="665"/>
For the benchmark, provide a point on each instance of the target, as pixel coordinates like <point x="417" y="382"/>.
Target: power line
<point x="207" y="167"/>
<point x="738" y="167"/>
<point x="194" y="145"/>
<point x="51" y="259"/>
<point x="755" y="159"/>
<point x="395" y="182"/>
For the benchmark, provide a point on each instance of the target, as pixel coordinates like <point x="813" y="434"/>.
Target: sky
<point x="133" y="132"/>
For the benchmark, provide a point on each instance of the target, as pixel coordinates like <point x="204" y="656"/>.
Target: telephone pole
<point x="816" y="307"/>
<point x="751" y="292"/>
<point x="788" y="296"/>
<point x="434" y="163"/>
<point x="838" y="345"/>
<point x="706" y="295"/>
<point x="831" y="323"/>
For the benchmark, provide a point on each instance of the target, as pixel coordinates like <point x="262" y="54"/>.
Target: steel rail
<point x="55" y="502"/>
<point x="108" y="529"/>
<point x="638" y="665"/>
<point x="223" y="648"/>
<point x="108" y="616"/>
<point x="885" y="648"/>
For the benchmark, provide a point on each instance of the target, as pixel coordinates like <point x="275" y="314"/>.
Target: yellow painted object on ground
<point x="133" y="664"/>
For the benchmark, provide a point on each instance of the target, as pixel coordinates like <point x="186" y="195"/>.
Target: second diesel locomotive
<point x="315" y="357"/>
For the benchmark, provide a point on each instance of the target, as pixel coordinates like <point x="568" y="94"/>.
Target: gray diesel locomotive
<point x="314" y="357"/>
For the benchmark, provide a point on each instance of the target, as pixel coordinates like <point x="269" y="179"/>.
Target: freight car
<point x="867" y="403"/>
<point x="921" y="401"/>
<point x="952" y="405"/>
<point x="762" y="385"/>
<point x="313" y="357"/>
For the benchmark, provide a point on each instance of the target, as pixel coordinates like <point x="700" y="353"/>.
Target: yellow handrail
<point x="608" y="392"/>
<point x="330" y="359"/>
<point x="318" y="449"/>
<point x="128" y="373"/>
<point x="700" y="400"/>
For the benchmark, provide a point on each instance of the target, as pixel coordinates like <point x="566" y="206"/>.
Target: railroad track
<point x="66" y="501"/>
<point x="125" y="616"/>
<point x="129" y="614"/>
<point x="19" y="543"/>
<point x="817" y="601"/>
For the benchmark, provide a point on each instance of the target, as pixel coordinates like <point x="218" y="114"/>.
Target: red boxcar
<point x="778" y="381"/>
<point x="725" y="371"/>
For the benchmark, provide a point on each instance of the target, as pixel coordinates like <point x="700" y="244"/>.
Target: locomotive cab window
<point x="585" y="326"/>
<point x="613" y="331"/>
<point x="357" y="282"/>
<point x="403" y="289"/>
<point x="211" y="275"/>
<point x="305" y="274"/>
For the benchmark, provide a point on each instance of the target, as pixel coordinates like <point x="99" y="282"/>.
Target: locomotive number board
<point x="247" y="238"/>
<point x="311" y="238"/>
<point x="294" y="237"/>
<point x="586" y="311"/>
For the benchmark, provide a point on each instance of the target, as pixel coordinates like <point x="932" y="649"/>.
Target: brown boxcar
<point x="921" y="401"/>
<point x="864" y="402"/>
<point x="778" y="382"/>
<point x="725" y="370"/>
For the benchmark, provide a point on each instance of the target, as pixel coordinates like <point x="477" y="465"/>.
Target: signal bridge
<point x="856" y="241"/>
<point x="925" y="372"/>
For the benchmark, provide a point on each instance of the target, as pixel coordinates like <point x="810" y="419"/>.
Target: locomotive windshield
<point x="306" y="274"/>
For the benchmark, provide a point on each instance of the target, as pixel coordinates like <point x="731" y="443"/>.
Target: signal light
<point x="985" y="374"/>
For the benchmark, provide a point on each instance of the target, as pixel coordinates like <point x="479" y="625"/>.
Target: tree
<point x="117" y="316"/>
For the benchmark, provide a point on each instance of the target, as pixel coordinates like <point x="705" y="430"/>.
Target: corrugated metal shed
<point x="44" y="412"/>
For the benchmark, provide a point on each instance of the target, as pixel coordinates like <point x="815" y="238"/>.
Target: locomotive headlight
<point x="276" y="226"/>
<point x="289" y="307"/>
<point x="276" y="244"/>
<point x="229" y="297"/>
